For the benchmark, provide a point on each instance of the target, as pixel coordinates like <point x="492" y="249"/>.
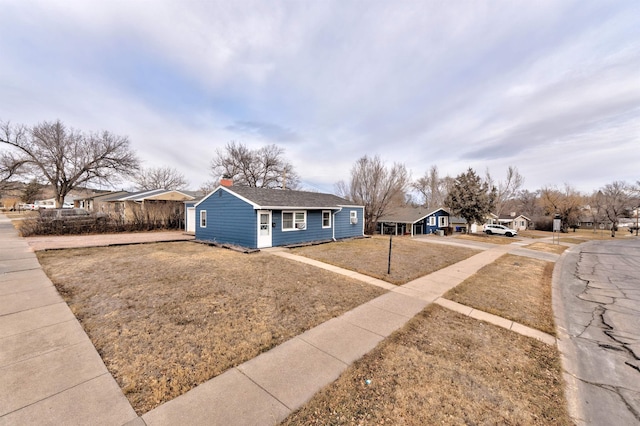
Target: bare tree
<point x="208" y="186"/>
<point x="565" y="203"/>
<point x="527" y="202"/>
<point x="151" y="178"/>
<point x="432" y="188"/>
<point x="507" y="190"/>
<point x="67" y="158"/>
<point x="616" y="199"/>
<point x="375" y="187"/>
<point x="595" y="209"/>
<point x="262" y="168"/>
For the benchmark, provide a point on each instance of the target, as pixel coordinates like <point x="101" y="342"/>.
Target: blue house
<point x="413" y="221"/>
<point x="260" y="217"/>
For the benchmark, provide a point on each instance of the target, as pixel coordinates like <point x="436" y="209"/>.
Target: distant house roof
<point x="155" y="194"/>
<point x="102" y="196"/>
<point x="265" y="198"/>
<point x="407" y="214"/>
<point x="509" y="217"/>
<point x="456" y="220"/>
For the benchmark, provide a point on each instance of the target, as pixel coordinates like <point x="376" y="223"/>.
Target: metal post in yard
<point x="389" y="264"/>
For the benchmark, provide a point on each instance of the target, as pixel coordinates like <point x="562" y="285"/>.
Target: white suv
<point x="500" y="229"/>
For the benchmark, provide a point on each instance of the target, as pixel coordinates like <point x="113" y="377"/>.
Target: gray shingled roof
<point x="406" y="214"/>
<point x="266" y="198"/>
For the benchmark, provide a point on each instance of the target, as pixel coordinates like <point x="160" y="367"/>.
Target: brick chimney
<point x="225" y="181"/>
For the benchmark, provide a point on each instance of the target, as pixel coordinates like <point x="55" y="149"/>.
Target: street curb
<point x="568" y="261"/>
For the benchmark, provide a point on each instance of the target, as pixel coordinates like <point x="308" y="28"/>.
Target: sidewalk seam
<point x="55" y="394"/>
<point x="259" y="386"/>
<point x="30" y="309"/>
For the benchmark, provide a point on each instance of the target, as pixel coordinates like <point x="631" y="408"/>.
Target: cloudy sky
<point x="551" y="87"/>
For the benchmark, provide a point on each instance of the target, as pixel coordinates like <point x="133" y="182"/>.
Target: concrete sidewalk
<point x="266" y="389"/>
<point x="50" y="373"/>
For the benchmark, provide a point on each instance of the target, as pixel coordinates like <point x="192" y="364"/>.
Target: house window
<point x="432" y="221"/>
<point x="326" y="219"/>
<point x="353" y="217"/>
<point x="443" y="221"/>
<point x="203" y="218"/>
<point x="294" y="220"/>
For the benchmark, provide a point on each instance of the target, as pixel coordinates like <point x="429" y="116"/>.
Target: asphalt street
<point x="597" y="305"/>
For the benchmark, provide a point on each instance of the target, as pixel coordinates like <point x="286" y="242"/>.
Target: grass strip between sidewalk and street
<point x="513" y="287"/>
<point x="445" y="368"/>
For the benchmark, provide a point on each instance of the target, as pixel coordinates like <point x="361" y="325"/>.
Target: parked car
<point x="27" y="206"/>
<point x="44" y="204"/>
<point x="500" y="230"/>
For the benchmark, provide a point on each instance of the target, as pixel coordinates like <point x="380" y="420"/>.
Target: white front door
<point x="191" y="219"/>
<point x="264" y="228"/>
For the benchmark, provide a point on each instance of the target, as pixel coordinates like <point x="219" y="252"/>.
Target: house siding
<point x="313" y="231"/>
<point x="229" y="220"/>
<point x="232" y="218"/>
<point x="344" y="227"/>
<point x="437" y="215"/>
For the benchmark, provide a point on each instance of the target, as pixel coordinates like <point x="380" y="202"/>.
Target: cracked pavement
<point x="597" y="308"/>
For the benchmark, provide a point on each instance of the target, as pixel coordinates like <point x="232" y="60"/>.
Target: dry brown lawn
<point x="547" y="247"/>
<point x="584" y="235"/>
<point x="579" y="236"/>
<point x="513" y="287"/>
<point x="490" y="239"/>
<point x="445" y="368"/>
<point x="166" y="317"/>
<point x="409" y="259"/>
<point x="531" y="233"/>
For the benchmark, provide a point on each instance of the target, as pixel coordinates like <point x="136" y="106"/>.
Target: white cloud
<point x="463" y="84"/>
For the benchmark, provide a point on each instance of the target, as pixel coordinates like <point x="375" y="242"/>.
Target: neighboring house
<point x="513" y="221"/>
<point x="459" y="224"/>
<point x="586" y="222"/>
<point x="158" y="205"/>
<point x="190" y="215"/>
<point x="413" y="221"/>
<point x="50" y="203"/>
<point x="97" y="202"/>
<point x="260" y="217"/>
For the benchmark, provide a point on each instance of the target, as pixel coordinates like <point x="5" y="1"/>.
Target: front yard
<point x="370" y="256"/>
<point x="445" y="368"/>
<point x="166" y="317"/>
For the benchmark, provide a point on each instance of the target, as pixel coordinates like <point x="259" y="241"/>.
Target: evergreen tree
<point x="471" y="198"/>
<point x="31" y="192"/>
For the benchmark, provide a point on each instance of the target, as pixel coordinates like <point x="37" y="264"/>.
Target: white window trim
<point x="443" y="221"/>
<point x="203" y="218"/>
<point x="329" y="213"/>
<point x="432" y="221"/>
<point x="353" y="214"/>
<point x="295" y="228"/>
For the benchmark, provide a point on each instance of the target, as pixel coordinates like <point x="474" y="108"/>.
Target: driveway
<point x="597" y="307"/>
<point x="74" y="241"/>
